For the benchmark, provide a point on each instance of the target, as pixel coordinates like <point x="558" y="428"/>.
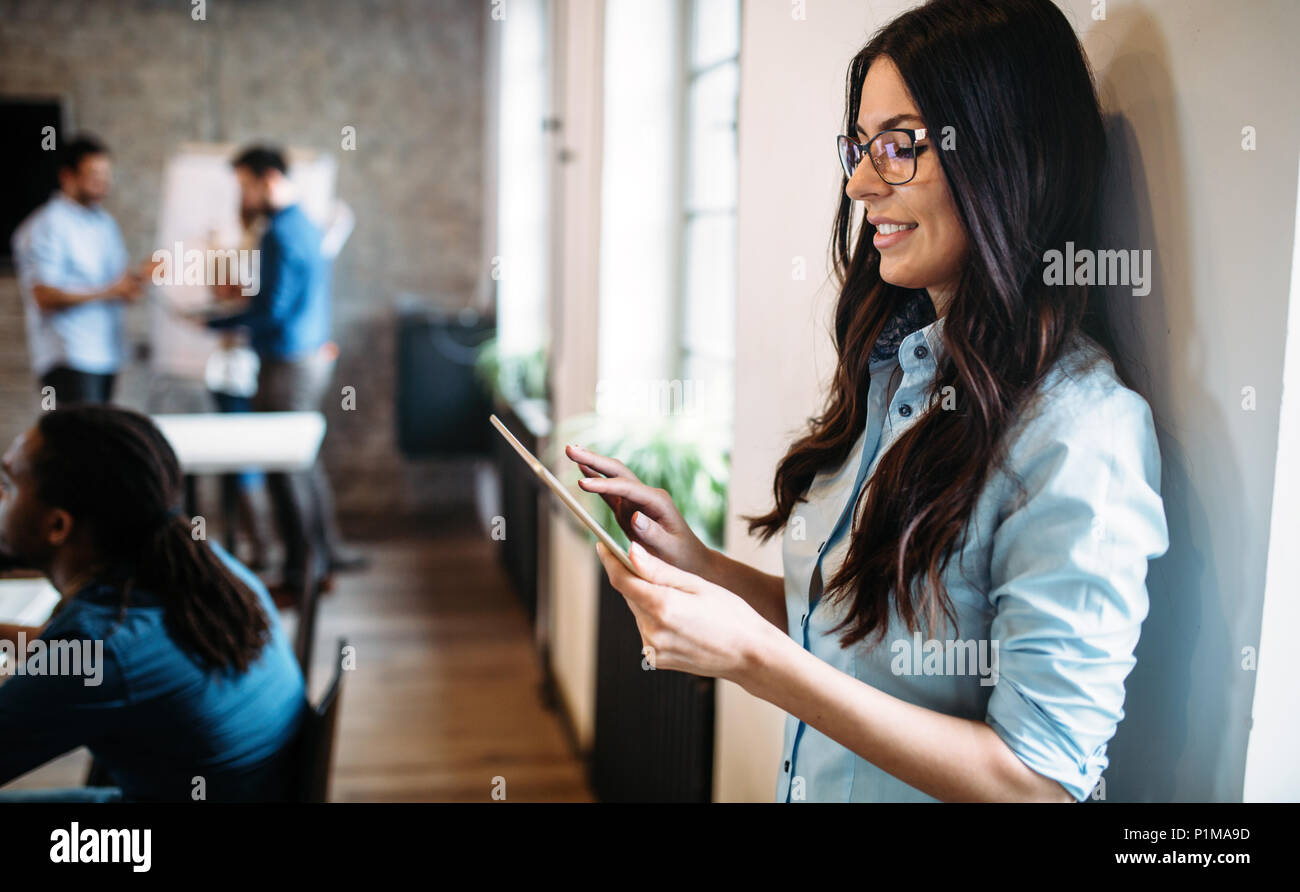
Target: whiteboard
<point x="200" y="209"/>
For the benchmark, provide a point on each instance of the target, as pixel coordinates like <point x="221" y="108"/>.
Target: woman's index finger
<point x="610" y="467"/>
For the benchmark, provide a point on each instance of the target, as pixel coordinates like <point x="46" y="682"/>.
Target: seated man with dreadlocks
<point x="166" y="657"/>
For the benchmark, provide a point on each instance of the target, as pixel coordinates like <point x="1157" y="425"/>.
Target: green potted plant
<point x="512" y="378"/>
<point x="685" y="455"/>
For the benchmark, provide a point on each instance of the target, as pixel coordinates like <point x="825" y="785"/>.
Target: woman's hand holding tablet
<point x="647" y="515"/>
<point x="687" y="623"/>
<point x="561" y="491"/>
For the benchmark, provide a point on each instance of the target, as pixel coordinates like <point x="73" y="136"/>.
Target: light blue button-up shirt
<point x="1049" y="591"/>
<point x="65" y="245"/>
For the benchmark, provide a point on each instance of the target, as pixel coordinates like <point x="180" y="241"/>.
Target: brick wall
<point x="407" y="74"/>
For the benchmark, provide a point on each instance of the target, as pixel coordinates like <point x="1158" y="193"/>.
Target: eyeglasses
<point x="892" y="152"/>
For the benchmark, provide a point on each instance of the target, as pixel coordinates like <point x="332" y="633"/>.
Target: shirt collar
<point x="111" y="593"/>
<point x="76" y="206"/>
<point x="916" y="314"/>
<point x="933" y="334"/>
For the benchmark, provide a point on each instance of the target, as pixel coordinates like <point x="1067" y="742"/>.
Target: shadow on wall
<point x="1161" y="751"/>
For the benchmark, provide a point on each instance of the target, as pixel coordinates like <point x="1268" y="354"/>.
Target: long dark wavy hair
<point x="113" y="471"/>
<point x="1010" y="78"/>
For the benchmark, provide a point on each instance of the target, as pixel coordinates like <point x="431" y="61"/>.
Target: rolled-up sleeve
<point x="38" y="255"/>
<point x="1068" y="577"/>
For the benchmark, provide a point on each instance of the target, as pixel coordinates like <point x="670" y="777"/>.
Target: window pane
<point x="523" y="200"/>
<point x="715" y="31"/>
<point x="711" y="387"/>
<point x="709" y="199"/>
<point x="640" y="199"/>
<point x="709" y="284"/>
<point x="711" y="150"/>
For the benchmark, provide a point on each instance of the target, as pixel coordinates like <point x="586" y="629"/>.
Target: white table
<point x="230" y="442"/>
<point x="27" y="601"/>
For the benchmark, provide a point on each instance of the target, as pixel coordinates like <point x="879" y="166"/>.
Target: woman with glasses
<point x="968" y="521"/>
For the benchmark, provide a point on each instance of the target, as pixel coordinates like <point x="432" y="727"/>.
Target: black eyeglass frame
<point x="845" y="145"/>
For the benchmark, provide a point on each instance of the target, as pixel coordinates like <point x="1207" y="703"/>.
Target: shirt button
<point x="905" y="410"/>
<point x="921" y="352"/>
<point x="787" y="764"/>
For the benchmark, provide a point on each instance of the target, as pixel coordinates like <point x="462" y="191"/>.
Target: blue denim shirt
<point x="1049" y="590"/>
<point x="289" y="317"/>
<point x="65" y="245"/>
<point x="151" y="713"/>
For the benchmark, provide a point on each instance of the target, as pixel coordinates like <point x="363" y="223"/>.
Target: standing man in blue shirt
<point x="288" y="322"/>
<point x="72" y="272"/>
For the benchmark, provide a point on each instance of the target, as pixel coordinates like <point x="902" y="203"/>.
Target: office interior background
<point x="606" y="221"/>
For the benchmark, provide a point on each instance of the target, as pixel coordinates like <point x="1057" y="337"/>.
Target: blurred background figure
<point x="288" y="321"/>
<point x="231" y="379"/>
<point x="72" y="271"/>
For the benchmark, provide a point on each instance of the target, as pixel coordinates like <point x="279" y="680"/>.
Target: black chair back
<point x="308" y="606"/>
<point x="316" y="739"/>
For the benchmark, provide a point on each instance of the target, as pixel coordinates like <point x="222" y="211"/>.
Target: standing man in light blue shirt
<point x="72" y="272"/>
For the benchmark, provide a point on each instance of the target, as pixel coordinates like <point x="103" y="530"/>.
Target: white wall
<point x="640" y="214"/>
<point x="1272" y="770"/>
<point x="1181" y="78"/>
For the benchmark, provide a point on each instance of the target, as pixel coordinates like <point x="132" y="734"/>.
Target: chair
<point x="308" y="605"/>
<point x="98" y="775"/>
<point x="315" y="748"/>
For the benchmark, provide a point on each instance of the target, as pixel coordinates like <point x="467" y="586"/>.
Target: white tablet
<point x="564" y="495"/>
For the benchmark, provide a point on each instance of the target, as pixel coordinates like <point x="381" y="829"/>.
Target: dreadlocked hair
<point x="115" y="473"/>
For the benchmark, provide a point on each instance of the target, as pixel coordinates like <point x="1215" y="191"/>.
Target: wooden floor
<point x="444" y="699"/>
